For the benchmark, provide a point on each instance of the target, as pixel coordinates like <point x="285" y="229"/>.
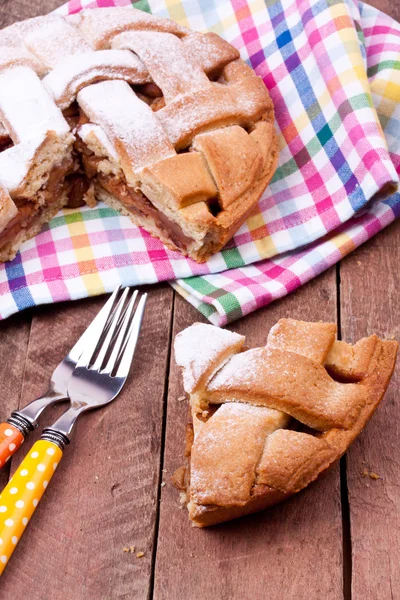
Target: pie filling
<point x="138" y="204"/>
<point x="74" y="177"/>
<point x="62" y="178"/>
<point x="132" y="200"/>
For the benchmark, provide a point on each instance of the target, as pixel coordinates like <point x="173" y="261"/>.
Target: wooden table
<point x="337" y="539"/>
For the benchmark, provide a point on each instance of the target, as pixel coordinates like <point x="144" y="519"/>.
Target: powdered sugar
<point x="55" y="40"/>
<point x="86" y="133"/>
<point x="129" y="123"/>
<point x="12" y="57"/>
<point x="72" y="73"/>
<point x="241" y="368"/>
<point x="16" y="161"/>
<point x="99" y="26"/>
<point x="211" y="51"/>
<point x="13" y="35"/>
<point x="175" y="70"/>
<point x="197" y="349"/>
<point x="26" y="109"/>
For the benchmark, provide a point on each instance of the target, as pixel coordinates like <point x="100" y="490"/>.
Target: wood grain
<point x="18" y="10"/>
<point x="390" y="7"/>
<point x="371" y="303"/>
<point x="14" y="338"/>
<point x="104" y="495"/>
<point x="293" y="551"/>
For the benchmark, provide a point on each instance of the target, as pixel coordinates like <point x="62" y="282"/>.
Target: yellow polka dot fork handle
<point x="21" y="422"/>
<point x="20" y="497"/>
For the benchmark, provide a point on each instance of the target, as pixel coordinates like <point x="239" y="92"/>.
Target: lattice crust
<point x="249" y="448"/>
<point x="99" y="27"/>
<point x="169" y="126"/>
<point x="76" y="72"/>
<point x="129" y="123"/>
<point x="13" y="57"/>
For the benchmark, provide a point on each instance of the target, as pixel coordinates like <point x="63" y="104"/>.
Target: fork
<point x="17" y="427"/>
<point x="97" y="379"/>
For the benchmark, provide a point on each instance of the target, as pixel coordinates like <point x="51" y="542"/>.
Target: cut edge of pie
<point x="166" y="125"/>
<point x="266" y="422"/>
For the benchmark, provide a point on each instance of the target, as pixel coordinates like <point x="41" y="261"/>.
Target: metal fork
<point x="14" y="431"/>
<point x="97" y="379"/>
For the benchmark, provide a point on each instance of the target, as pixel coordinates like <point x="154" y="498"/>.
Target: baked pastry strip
<point x="185" y="143"/>
<point x="241" y="459"/>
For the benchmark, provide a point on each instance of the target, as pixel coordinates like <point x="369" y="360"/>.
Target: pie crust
<point x="265" y="422"/>
<point x="166" y="125"/>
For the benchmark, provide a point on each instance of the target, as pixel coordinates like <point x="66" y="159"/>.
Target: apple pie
<point x="166" y="125"/>
<point x="265" y="422"/>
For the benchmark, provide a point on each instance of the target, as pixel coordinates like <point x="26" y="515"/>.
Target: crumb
<point x="163" y="484"/>
<point x="90" y="197"/>
<point x="126" y="549"/>
<point x="139" y="554"/>
<point x="359" y="263"/>
<point x="204" y="414"/>
<point x="181" y="398"/>
<point x="391" y="337"/>
<point x="131" y="549"/>
<point x="164" y="471"/>
<point x="370" y="474"/>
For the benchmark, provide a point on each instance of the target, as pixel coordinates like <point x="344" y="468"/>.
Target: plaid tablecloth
<point x="333" y="71"/>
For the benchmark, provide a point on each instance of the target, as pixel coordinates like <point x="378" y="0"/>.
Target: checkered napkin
<point x="333" y="71"/>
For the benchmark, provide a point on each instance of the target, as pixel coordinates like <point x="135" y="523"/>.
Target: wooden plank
<point x="18" y="10"/>
<point x="104" y="495"/>
<point x="387" y="6"/>
<point x="14" y="338"/>
<point x="293" y="551"/>
<point x="370" y="302"/>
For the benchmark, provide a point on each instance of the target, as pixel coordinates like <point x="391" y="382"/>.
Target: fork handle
<point x="20" y="497"/>
<point x="11" y="439"/>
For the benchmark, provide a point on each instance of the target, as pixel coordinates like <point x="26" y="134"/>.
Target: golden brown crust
<point x="233" y="172"/>
<point x="350" y="363"/>
<point x="291" y="459"/>
<point x="263" y="497"/>
<point x="226" y="450"/>
<point x="290" y="382"/>
<point x="308" y="339"/>
<point x="245" y="458"/>
<point x="178" y="181"/>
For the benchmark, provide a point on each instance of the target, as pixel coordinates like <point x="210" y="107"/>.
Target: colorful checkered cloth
<point x="333" y="71"/>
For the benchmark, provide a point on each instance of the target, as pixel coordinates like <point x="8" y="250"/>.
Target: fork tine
<point x="96" y="329"/>
<point x="125" y="322"/>
<point x="105" y="344"/>
<point x="131" y="339"/>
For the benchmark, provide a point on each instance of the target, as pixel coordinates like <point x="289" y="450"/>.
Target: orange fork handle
<point x="10" y="440"/>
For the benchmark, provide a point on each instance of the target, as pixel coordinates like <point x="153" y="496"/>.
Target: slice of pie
<point x="265" y="422"/>
<point x="166" y="125"/>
